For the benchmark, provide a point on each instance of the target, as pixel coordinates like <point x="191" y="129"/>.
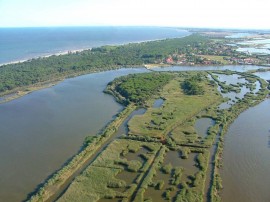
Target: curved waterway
<point x="246" y="172"/>
<point x="247" y="155"/>
<point x="239" y="68"/>
<point x="40" y="131"/>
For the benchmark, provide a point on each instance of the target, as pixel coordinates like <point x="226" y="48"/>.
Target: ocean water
<point x="17" y="44"/>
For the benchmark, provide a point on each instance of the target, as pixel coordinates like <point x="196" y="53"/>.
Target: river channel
<point x="246" y="166"/>
<point x="43" y="129"/>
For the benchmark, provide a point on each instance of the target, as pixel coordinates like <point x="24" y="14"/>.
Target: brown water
<point x="188" y="164"/>
<point x="246" y="173"/>
<point x="247" y="152"/>
<point x="123" y="129"/>
<point x="40" y="131"/>
<point x="155" y="194"/>
<point x="173" y="158"/>
<point x="202" y="125"/>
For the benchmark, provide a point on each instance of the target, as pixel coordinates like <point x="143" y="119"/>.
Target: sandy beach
<point x="65" y="52"/>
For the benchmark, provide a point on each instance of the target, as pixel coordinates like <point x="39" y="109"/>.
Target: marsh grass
<point x="159" y="130"/>
<point x="100" y="178"/>
<point x="176" y="109"/>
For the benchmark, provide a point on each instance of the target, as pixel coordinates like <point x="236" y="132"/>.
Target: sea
<point x="20" y="44"/>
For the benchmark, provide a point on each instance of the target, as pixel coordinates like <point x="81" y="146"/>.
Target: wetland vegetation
<point x="197" y="49"/>
<point x="162" y="156"/>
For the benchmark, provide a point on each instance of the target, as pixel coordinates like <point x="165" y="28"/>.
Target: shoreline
<point x="72" y="51"/>
<point x="64" y="52"/>
<point x="22" y="91"/>
<point x="55" y="184"/>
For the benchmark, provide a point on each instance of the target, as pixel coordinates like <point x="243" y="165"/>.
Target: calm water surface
<point x="239" y="68"/>
<point x="202" y="125"/>
<point x="158" y="103"/>
<point x="40" y="131"/>
<point x="263" y="49"/>
<point x="246" y="173"/>
<point x="25" y="43"/>
<point x="233" y="96"/>
<point x="247" y="155"/>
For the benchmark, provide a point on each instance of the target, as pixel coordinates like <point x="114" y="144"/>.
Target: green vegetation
<point x="191" y="86"/>
<point x="137" y="167"/>
<point x="100" y="180"/>
<point x="15" y="77"/>
<point x="218" y="59"/>
<point x="137" y="88"/>
<point x="22" y="78"/>
<point x="176" y="109"/>
<point x="90" y="147"/>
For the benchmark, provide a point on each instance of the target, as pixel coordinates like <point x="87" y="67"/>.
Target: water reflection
<point x="123" y="128"/>
<point x="158" y="103"/>
<point x="246" y="167"/>
<point x="263" y="75"/>
<point x="232" y="96"/>
<point x="238" y="68"/>
<point x="40" y="131"/>
<point x="202" y="125"/>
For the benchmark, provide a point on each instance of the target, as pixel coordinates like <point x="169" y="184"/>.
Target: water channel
<point x="247" y="157"/>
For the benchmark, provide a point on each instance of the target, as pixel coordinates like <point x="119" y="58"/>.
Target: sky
<point x="242" y="14"/>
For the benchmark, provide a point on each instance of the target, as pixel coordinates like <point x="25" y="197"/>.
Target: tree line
<point x="192" y="86"/>
<point x="137" y="88"/>
<point x="97" y="59"/>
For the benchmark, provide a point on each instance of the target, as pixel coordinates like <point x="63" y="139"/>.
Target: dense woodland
<point x="138" y="88"/>
<point x="192" y="86"/>
<point x="97" y="59"/>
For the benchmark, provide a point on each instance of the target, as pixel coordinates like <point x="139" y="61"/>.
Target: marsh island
<point x="164" y="154"/>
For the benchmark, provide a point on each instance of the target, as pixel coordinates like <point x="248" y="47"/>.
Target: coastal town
<point x="216" y="52"/>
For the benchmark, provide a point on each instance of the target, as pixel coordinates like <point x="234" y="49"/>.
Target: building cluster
<point x="204" y="54"/>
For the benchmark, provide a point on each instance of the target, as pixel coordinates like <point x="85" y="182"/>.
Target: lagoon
<point x="43" y="129"/>
<point x="246" y="164"/>
<point x="40" y="131"/>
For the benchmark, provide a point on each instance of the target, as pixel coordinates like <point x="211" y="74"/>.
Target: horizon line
<point x="161" y="26"/>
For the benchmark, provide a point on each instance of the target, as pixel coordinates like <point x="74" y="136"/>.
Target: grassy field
<point x="177" y="108"/>
<point x="100" y="180"/>
<point x="216" y="58"/>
